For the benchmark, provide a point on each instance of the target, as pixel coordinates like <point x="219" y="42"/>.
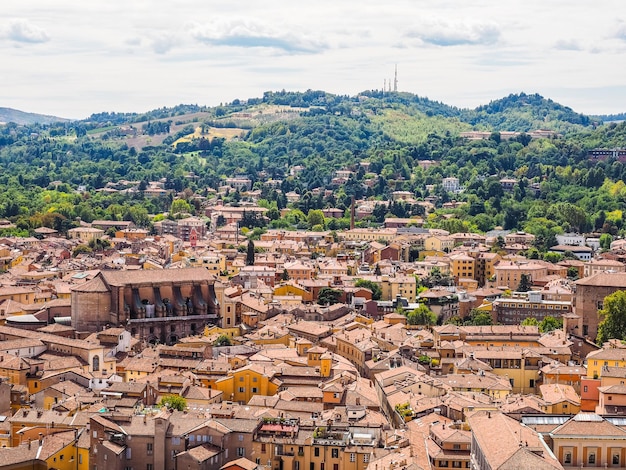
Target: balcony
<point x="322" y="437"/>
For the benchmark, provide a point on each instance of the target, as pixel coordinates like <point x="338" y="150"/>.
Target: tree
<point x="180" y="206"/>
<point x="328" y="296"/>
<point x="613" y="317"/>
<point x="250" y="253"/>
<point x="530" y="321"/>
<point x="605" y="241"/>
<point x="422" y="315"/>
<point x="572" y="273"/>
<point x="222" y="340"/>
<point x="377" y="292"/>
<point x="479" y="318"/>
<point x="550" y="323"/>
<point x="525" y="283"/>
<point x="315" y="217"/>
<point x="175" y="402"/>
<point x="99" y="244"/>
<point x="80" y="249"/>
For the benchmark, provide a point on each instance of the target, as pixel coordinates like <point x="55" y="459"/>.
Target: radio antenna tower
<point x="395" y="79"/>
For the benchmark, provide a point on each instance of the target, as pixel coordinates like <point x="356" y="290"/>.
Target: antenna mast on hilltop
<point x="395" y="79"/>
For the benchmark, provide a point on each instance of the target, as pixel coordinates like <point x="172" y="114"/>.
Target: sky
<point x="73" y="58"/>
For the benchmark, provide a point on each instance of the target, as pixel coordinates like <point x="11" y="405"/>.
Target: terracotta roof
<point x="604" y="279"/>
<point x="499" y="437"/>
<point x="589" y="424"/>
<point x="242" y="462"/>
<point x="96" y="285"/>
<point x="123" y="277"/>
<point x="557" y="393"/>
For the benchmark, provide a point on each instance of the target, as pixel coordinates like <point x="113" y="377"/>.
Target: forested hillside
<point x="54" y="173"/>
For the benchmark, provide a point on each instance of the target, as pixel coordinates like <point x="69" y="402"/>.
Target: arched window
<point x="96" y="363"/>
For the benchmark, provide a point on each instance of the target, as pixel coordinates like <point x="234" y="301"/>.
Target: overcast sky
<point x="73" y="58"/>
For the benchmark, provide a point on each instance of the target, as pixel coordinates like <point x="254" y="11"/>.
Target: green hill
<point x="24" y="118"/>
<point x="383" y="142"/>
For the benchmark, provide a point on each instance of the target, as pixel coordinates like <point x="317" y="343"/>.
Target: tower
<point x="352" y="214"/>
<point x="395" y="79"/>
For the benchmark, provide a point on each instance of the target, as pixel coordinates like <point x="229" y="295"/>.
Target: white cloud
<point x="134" y="41"/>
<point x="247" y="33"/>
<point x="164" y="42"/>
<point x="341" y="47"/>
<point x="620" y="31"/>
<point x="22" y="30"/>
<point x="568" y="45"/>
<point x="445" y="32"/>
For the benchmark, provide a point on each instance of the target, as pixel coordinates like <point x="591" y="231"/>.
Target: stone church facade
<point x="154" y="305"/>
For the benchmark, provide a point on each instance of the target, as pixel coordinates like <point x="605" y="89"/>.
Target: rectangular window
<point x="316" y="451"/>
<point x="255" y="390"/>
<point x="352" y="457"/>
<point x="592" y="458"/>
<point x="263" y="448"/>
<point x="242" y="389"/>
<point x="241" y="451"/>
<point x="568" y="458"/>
<point x="149" y="447"/>
<point x="366" y="458"/>
<point x="335" y="453"/>
<point x="149" y="466"/>
<point x="129" y="453"/>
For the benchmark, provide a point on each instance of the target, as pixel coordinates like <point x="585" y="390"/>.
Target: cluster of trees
<point x="157" y="127"/>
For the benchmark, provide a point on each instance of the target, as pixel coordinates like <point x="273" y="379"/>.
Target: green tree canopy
<point x="422" y="315"/>
<point x="377" y="292"/>
<point x="175" y="402"/>
<point x="605" y="241"/>
<point x="613" y="317"/>
<point x="222" y="340"/>
<point x="525" y="283"/>
<point x="550" y="323"/>
<point x="328" y="296"/>
<point x="479" y="318"/>
<point x="180" y="206"/>
<point x="315" y="217"/>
